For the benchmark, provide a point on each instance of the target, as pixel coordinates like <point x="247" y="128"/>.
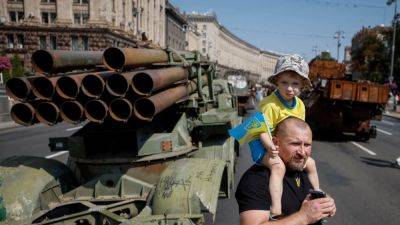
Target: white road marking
<point x="2" y="114"/>
<point x="387" y="122"/>
<point x="56" y="154"/>
<point x="363" y="148"/>
<point x="3" y="96"/>
<point x="382" y="131"/>
<point x="73" y="128"/>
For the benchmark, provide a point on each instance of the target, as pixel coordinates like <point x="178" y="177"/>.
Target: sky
<point x="294" y="26"/>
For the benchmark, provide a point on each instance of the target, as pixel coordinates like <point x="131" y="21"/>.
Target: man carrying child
<point x="290" y="77"/>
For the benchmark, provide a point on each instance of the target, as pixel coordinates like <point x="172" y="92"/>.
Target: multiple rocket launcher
<point x="121" y="84"/>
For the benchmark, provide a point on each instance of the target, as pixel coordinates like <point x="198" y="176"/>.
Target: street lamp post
<point x="389" y="2"/>
<point x="338" y="35"/>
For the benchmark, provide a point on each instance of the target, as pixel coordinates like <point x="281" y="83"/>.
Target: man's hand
<point x="315" y="210"/>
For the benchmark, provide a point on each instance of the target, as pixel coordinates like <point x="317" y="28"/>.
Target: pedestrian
<point x="293" y="138"/>
<point x="259" y="95"/>
<point x="290" y="76"/>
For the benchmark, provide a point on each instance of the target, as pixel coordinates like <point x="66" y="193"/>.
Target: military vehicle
<point x="154" y="148"/>
<point x="242" y="92"/>
<point x="338" y="104"/>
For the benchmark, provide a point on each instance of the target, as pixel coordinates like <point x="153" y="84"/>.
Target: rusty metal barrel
<point x="121" y="109"/>
<point x="146" y="108"/>
<point x="48" y="113"/>
<point x="23" y="113"/>
<point x="72" y="112"/>
<point x="55" y="61"/>
<point x="44" y="87"/>
<point x="96" y="111"/>
<point x="19" y="88"/>
<point x="117" y="58"/>
<point x="145" y="82"/>
<point x="93" y="84"/>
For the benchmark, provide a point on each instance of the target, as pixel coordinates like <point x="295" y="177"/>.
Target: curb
<point x="391" y="116"/>
<point x="8" y="125"/>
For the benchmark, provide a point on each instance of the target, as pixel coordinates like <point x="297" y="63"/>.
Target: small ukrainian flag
<point x="249" y="131"/>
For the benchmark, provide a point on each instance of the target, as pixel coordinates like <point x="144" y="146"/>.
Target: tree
<point x="325" y="56"/>
<point x="5" y="65"/>
<point x="370" y="53"/>
<point x="17" y="67"/>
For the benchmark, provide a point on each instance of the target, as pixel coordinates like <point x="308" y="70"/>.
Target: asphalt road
<point x="361" y="176"/>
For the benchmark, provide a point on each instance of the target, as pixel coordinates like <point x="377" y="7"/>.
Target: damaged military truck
<point x="154" y="148"/>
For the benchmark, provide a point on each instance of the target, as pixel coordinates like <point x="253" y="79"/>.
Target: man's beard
<point x="294" y="165"/>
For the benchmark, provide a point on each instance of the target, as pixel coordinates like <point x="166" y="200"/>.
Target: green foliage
<point x="17" y="68"/>
<point x="6" y="75"/>
<point x="370" y="53"/>
<point x="3" y="212"/>
<point x="325" y="56"/>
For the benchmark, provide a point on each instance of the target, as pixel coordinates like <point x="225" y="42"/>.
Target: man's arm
<point x="259" y="217"/>
<point x="310" y="212"/>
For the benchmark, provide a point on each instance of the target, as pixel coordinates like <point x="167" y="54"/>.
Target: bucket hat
<point x="294" y="63"/>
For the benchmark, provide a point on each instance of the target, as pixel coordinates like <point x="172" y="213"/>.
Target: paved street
<point x="360" y="176"/>
<point x="366" y="187"/>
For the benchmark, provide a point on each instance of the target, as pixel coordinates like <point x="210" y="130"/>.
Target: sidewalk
<point x="392" y="114"/>
<point x="7" y="125"/>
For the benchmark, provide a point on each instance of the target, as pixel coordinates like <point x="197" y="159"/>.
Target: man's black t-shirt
<point x="253" y="190"/>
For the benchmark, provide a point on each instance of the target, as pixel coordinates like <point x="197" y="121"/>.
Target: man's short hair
<point x="284" y="125"/>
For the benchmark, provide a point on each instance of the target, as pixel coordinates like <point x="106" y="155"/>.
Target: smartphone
<point x="317" y="194"/>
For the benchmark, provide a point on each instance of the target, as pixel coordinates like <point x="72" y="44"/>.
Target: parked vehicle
<point x="341" y="105"/>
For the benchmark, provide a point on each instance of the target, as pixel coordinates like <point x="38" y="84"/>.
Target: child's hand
<point x="273" y="151"/>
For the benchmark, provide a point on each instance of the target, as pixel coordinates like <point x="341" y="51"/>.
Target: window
<point x="80" y="1"/>
<point x="85" y="43"/>
<point x="53" y="17"/>
<point x="48" y="1"/>
<point x="48" y="17"/>
<point x="45" y="18"/>
<point x="13" y="16"/>
<point x="204" y="50"/>
<point x="85" y="18"/>
<point x="81" y="18"/>
<point x="204" y="26"/>
<point x="42" y="42"/>
<point x="77" y="18"/>
<point x="75" y="44"/>
<point x="20" y="41"/>
<point x="53" y="42"/>
<point x="16" y="16"/>
<point x="16" y="1"/>
<point x="10" y="40"/>
<point x="20" y="16"/>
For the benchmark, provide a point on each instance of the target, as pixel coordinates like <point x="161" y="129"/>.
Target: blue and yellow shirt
<point x="275" y="109"/>
<point x="272" y="110"/>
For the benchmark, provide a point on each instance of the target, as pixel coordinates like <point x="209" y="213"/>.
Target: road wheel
<point x="363" y="136"/>
<point x="372" y="132"/>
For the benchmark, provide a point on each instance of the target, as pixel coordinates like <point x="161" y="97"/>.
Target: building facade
<point x="193" y="38"/>
<point x="229" y="51"/>
<point x="29" y="25"/>
<point x="176" y="25"/>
